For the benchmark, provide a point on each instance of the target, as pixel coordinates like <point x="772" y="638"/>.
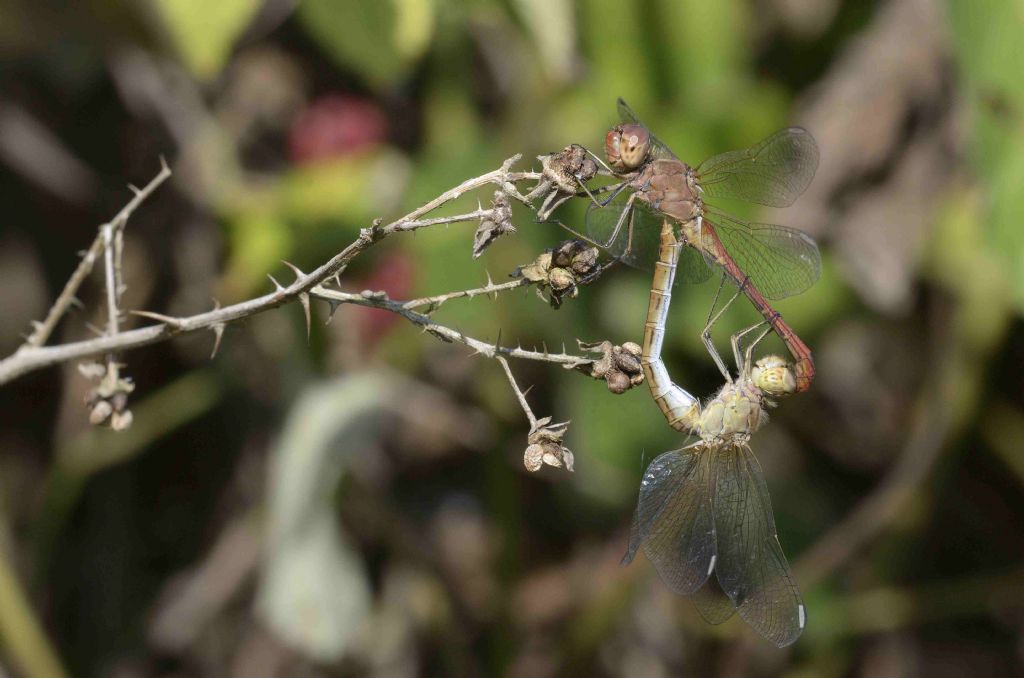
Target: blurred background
<point x="356" y="504"/>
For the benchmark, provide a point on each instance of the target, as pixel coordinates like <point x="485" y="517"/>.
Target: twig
<point x="490" y="288"/>
<point x="519" y="394"/>
<point x="414" y="224"/>
<point x="488" y="350"/>
<point x="44" y="329"/>
<point x="35" y="356"/>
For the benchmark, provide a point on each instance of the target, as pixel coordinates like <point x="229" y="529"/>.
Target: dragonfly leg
<point x="614" y="188"/>
<point x="600" y="162"/>
<point x="713" y="318"/>
<point x="615" y="193"/>
<point x="743" y="363"/>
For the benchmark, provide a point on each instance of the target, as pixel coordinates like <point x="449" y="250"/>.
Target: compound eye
<point x="635" y="145"/>
<point x="613" y="148"/>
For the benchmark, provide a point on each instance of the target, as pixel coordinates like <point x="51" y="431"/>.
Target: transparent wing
<point x="673" y="520"/>
<point x="773" y="172"/>
<point x="711" y="602"/>
<point x="635" y="239"/>
<point x="691" y="267"/>
<point x="658" y="148"/>
<point x="628" y="232"/>
<point x="752" y="570"/>
<point x="780" y="261"/>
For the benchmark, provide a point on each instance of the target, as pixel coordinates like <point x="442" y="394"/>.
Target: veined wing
<point x="673" y="520"/>
<point x="711" y="602"/>
<point x="636" y="237"/>
<point x="752" y="570"/>
<point x="658" y="148"/>
<point x="773" y="172"/>
<point x="780" y="261"/>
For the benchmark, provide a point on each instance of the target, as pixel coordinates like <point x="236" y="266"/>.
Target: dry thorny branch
<point x="558" y="273"/>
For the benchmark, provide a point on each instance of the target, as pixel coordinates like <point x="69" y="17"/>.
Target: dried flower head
<point x="545" y="446"/>
<point x="108" y="399"/>
<point x="618" y="366"/>
<point x="495" y="226"/>
<point x="561" y="270"/>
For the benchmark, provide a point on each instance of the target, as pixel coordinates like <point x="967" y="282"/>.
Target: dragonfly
<point x="704" y="516"/>
<point x="765" y="261"/>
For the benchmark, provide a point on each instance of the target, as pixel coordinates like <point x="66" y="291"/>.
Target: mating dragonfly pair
<point x="704" y="516"/>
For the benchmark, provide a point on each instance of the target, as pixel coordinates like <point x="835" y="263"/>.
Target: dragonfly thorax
<point x="734" y="414"/>
<point x="667" y="186"/>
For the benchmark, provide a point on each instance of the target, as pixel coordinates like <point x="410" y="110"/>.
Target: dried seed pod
<point x="100" y="412"/>
<point x="533" y="458"/>
<point x="626" y="361"/>
<point x="585" y="261"/>
<point x="618" y="383"/>
<point x="537" y="270"/>
<point x="120" y="421"/>
<point x="561" y="279"/>
<point x="632" y="348"/>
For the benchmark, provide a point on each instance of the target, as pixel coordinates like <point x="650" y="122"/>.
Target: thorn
<point x="337" y="278"/>
<point x="334" y="309"/>
<point x="527" y="390"/>
<point x="218" y="333"/>
<point x="295" y="269"/>
<point x="36" y="325"/>
<point x="216" y="305"/>
<point x="134" y="189"/>
<point x="173" y="323"/>
<point x="276" y="284"/>
<point x="497" y="341"/>
<point x="304" y="300"/>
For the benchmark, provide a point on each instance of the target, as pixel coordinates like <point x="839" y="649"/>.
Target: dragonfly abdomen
<point x="680" y="408"/>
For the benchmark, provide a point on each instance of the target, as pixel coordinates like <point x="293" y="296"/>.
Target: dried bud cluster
<point x="564" y="173"/>
<point x="546" y="446"/>
<point x="499" y="224"/>
<point x="561" y="270"/>
<point x="108" y="400"/>
<point x="568" y="168"/>
<point x="619" y="366"/>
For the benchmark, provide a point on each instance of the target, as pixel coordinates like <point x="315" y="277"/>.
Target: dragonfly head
<point x="627" y="146"/>
<point x="774" y="376"/>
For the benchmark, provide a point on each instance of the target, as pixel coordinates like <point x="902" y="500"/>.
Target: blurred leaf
<point x="314" y="592"/>
<point x="987" y="39"/>
<point x="705" y="45"/>
<point x="376" y="38"/>
<point x="354" y="188"/>
<point x="553" y="26"/>
<point x="414" y="27"/>
<point x="205" y="32"/>
<point x="618" y="53"/>
<point x="259" y="241"/>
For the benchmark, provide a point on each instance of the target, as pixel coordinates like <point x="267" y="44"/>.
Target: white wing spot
<point x="800" y="611"/>
<point x="711" y="568"/>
